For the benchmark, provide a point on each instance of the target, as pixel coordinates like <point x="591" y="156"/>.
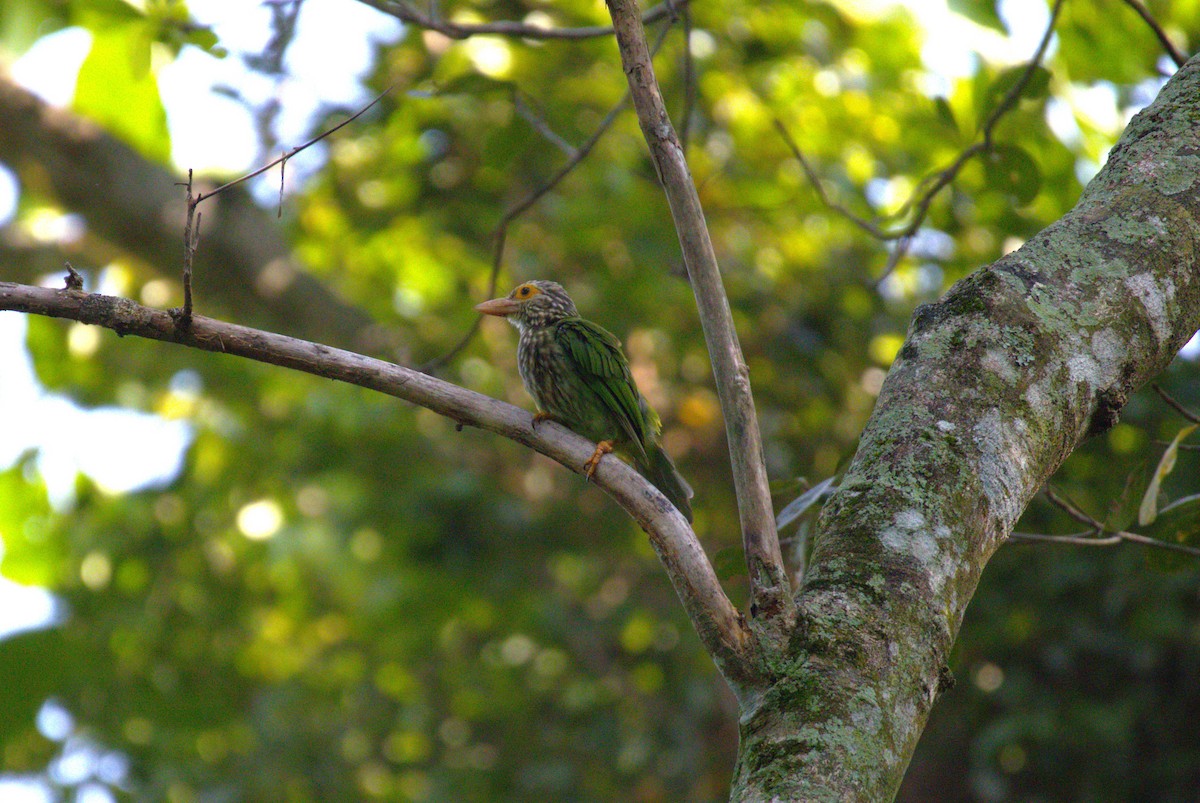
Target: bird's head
<point x="536" y="303"/>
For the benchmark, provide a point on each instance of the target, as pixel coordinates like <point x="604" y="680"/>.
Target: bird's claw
<point x="539" y="417"/>
<point x="602" y="448"/>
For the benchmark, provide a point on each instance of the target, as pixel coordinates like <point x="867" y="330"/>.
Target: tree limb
<point x="408" y="13"/>
<point x="719" y="625"/>
<point x="770" y="590"/>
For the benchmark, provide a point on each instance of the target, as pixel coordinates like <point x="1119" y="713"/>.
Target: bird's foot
<point x="539" y="417"/>
<point x="602" y="448"/>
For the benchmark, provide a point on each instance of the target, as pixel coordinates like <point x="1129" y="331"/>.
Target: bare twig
<point x="1176" y="55"/>
<point x="406" y="12"/>
<point x="191" y="229"/>
<point x="1097" y="535"/>
<point x="770" y="590"/>
<point x="283" y="159"/>
<point x="1179" y="408"/>
<point x="689" y="79"/>
<point x="191" y="241"/>
<point x="73" y="281"/>
<point x="500" y="234"/>
<point x="1106" y="540"/>
<point x="1087" y="538"/>
<point x="819" y="187"/>
<point x="916" y="208"/>
<point x="541" y="126"/>
<point x="1071" y="509"/>
<point x="717" y="622"/>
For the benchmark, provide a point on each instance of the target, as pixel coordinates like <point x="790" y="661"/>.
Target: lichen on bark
<point x="995" y="386"/>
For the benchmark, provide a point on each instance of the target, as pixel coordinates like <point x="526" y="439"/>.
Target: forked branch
<point x="719" y="625"/>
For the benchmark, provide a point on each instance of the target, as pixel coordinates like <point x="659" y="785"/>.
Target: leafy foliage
<point x="439" y="615"/>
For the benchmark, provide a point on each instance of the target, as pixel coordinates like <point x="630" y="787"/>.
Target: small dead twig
<point x="689" y="79"/>
<point x="73" y="281"/>
<point x="541" y="126"/>
<point x="191" y="229"/>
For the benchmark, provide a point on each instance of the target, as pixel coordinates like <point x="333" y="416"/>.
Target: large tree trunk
<point x="995" y="386"/>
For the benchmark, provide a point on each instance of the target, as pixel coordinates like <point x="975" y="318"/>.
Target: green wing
<point x="596" y="355"/>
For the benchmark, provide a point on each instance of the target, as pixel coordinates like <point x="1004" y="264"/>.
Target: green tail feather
<point x="662" y="473"/>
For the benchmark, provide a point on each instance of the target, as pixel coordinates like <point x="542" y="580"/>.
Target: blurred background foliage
<point x="338" y="596"/>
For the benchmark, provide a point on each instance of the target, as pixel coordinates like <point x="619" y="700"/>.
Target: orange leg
<point x="602" y="448"/>
<point x="539" y="417"/>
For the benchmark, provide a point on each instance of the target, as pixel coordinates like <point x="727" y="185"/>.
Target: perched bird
<point x="578" y="376"/>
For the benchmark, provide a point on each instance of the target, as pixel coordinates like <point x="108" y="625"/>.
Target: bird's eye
<point x="526" y="290"/>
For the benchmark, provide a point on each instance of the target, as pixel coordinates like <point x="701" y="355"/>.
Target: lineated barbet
<point x="578" y="376"/>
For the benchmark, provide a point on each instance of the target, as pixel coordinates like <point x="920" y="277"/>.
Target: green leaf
<point x="32" y="666"/>
<point x="1124" y="509"/>
<point x="946" y="114"/>
<point x="31" y="554"/>
<point x="1148" y="511"/>
<point x="23" y="22"/>
<point x="980" y="11"/>
<point x="206" y="40"/>
<point x="117" y="89"/>
<point x="1013" y="171"/>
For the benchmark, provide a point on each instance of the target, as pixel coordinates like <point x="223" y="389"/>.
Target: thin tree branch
<point x="541" y="126"/>
<point x="500" y="235"/>
<point x="406" y="12"/>
<point x="1169" y="46"/>
<point x="191" y="229"/>
<point x="1088" y="538"/>
<point x="133" y="209"/>
<point x="1179" y="408"/>
<point x="819" y="186"/>
<point x="1071" y="509"/>
<point x="770" y="590"/>
<point x="1108" y="540"/>
<point x="719" y="625"/>
<point x="689" y="79"/>
<point x="283" y="159"/>
<point x="1097" y="535"/>
<point x="917" y="206"/>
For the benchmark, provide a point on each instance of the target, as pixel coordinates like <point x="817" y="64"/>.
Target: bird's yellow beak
<point x="500" y="307"/>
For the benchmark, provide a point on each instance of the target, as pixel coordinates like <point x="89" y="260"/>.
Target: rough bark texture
<point x="995" y="386"/>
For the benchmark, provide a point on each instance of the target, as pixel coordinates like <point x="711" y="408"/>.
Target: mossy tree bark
<point x="995" y="386"/>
